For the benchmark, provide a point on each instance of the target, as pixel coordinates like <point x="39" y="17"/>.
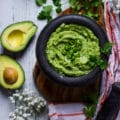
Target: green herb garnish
<point x="46" y="13"/>
<point x="87" y="7"/>
<point x="102" y="64"/>
<point x="40" y="2"/>
<point x="57" y="3"/>
<point x="75" y="5"/>
<point x="107" y="48"/>
<point x="89" y="111"/>
<point x="91" y="108"/>
<point x="58" y="9"/>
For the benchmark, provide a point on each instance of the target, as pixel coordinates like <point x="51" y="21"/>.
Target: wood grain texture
<point x="59" y="93"/>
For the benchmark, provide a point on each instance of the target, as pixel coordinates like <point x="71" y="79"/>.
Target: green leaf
<point x="107" y="48"/>
<point x="75" y="5"/>
<point x="58" y="9"/>
<point x="87" y="5"/>
<point x="90" y="14"/>
<point x="103" y="64"/>
<point x="97" y="3"/>
<point x="90" y="110"/>
<point x="40" y="2"/>
<point x="46" y="13"/>
<point x="57" y="2"/>
<point x="73" y="2"/>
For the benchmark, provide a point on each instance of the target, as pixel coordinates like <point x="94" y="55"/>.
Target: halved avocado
<point x="16" y="36"/>
<point x="11" y="73"/>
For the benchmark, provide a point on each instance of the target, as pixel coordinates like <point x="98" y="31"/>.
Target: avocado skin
<point x="10" y="48"/>
<point x="16" y="65"/>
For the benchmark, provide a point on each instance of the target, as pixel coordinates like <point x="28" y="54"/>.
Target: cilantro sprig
<point x="75" y="5"/>
<point x="107" y="48"/>
<point x="102" y="63"/>
<point x="91" y="108"/>
<point x="87" y="7"/>
<point x="46" y="13"/>
<point x="57" y="3"/>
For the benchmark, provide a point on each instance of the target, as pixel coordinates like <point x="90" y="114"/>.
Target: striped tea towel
<point x="74" y="111"/>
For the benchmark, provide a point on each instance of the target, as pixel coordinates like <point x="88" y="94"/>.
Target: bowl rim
<point x="43" y="38"/>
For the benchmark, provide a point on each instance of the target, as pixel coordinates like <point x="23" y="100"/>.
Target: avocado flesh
<point x="16" y="36"/>
<point x="8" y="62"/>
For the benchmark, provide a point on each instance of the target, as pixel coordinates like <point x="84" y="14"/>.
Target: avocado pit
<point x="10" y="75"/>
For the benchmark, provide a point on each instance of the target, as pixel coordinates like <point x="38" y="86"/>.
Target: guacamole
<point x="73" y="50"/>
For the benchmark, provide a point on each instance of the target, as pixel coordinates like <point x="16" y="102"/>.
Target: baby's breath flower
<point x="20" y="98"/>
<point x="26" y="104"/>
<point x="12" y="99"/>
<point x="20" y="112"/>
<point x="25" y="115"/>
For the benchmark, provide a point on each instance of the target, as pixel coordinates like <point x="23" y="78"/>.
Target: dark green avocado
<point x="11" y="73"/>
<point x="16" y="36"/>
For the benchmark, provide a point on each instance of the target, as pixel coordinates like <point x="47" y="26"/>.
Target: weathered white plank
<point x="12" y="11"/>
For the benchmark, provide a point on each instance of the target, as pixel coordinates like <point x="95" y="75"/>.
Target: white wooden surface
<point x="12" y="11"/>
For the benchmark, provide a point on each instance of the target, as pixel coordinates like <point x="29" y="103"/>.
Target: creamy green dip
<point x="72" y="50"/>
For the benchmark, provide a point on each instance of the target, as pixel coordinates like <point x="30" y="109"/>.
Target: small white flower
<point x="11" y="114"/>
<point x="41" y="103"/>
<point x="20" y="112"/>
<point x="28" y="114"/>
<point x="25" y="108"/>
<point x="25" y="115"/>
<point x="12" y="99"/>
<point x="27" y="103"/>
<point x="19" y="118"/>
<point x="20" y="98"/>
<point x="38" y="106"/>
<point x="21" y="107"/>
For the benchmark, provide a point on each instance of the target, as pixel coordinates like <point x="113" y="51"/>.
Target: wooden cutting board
<point x="55" y="92"/>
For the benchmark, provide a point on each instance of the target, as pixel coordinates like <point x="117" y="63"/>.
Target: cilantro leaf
<point x="103" y="64"/>
<point x="97" y="3"/>
<point x="75" y="5"/>
<point x="58" y="9"/>
<point x="46" y="13"/>
<point x="40" y="2"/>
<point x="90" y="110"/>
<point x="73" y="2"/>
<point x="106" y="48"/>
<point x="56" y="2"/>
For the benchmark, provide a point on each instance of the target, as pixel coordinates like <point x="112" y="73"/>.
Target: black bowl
<point x="41" y="49"/>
